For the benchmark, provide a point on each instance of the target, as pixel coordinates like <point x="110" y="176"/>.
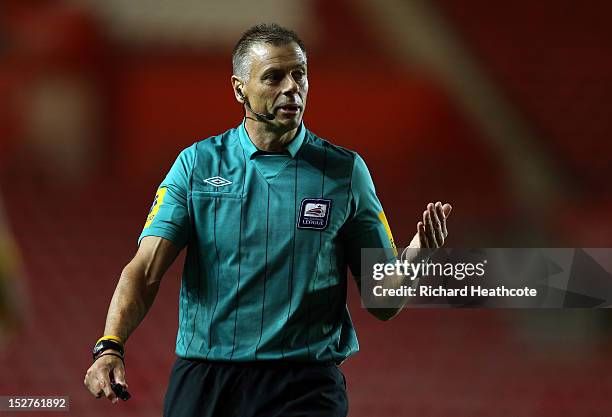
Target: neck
<point x="266" y="138"/>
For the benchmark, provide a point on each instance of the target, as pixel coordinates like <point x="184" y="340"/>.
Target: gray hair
<point x="262" y="33"/>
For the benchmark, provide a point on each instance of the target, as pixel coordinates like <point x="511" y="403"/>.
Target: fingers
<point x="104" y="382"/>
<point x="91" y="382"/>
<point x="119" y="375"/>
<point x="446" y="208"/>
<point x="97" y="386"/>
<point x="97" y="379"/>
<point x="422" y="237"/>
<point x="434" y="224"/>
<point x="442" y="218"/>
<point x="437" y="223"/>
<point x="429" y="228"/>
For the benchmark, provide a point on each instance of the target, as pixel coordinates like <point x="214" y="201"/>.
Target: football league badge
<point x="314" y="213"/>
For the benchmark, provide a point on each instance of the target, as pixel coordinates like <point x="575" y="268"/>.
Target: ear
<point x="237" y="85"/>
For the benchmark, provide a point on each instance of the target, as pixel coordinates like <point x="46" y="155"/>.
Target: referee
<point x="271" y="216"/>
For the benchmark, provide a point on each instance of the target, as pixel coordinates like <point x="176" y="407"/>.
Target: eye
<point x="273" y="77"/>
<point x="298" y="75"/>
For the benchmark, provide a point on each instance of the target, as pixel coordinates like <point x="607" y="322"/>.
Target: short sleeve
<point x="366" y="226"/>
<point x="168" y="216"/>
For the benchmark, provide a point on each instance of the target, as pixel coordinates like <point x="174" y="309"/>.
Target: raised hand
<point x="432" y="231"/>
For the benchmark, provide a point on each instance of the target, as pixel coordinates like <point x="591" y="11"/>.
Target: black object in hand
<point x="120" y="391"/>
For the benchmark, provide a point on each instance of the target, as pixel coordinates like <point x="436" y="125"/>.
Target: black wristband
<point x="110" y="354"/>
<point x="107" y="344"/>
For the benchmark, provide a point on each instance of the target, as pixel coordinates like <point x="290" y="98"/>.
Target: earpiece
<point x="268" y="117"/>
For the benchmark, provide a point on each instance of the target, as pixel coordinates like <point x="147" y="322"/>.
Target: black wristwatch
<point x="106" y="344"/>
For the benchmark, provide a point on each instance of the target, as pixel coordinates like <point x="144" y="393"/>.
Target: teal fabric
<point x="256" y="284"/>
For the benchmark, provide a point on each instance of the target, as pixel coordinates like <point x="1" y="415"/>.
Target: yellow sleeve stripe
<point x="383" y="220"/>
<point x="159" y="199"/>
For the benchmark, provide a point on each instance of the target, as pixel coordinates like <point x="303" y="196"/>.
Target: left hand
<point x="432" y="231"/>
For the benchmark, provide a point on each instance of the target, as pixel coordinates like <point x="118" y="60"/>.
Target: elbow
<point x="384" y="314"/>
<point x="140" y="272"/>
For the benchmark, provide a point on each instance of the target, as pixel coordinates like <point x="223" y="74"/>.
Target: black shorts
<point x="255" y="389"/>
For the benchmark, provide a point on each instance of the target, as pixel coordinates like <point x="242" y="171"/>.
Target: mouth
<point x="289" y="109"/>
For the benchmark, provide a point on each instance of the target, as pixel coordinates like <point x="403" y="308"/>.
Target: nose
<point x="290" y="85"/>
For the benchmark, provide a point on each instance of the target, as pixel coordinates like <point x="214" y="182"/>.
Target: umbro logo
<point x="217" y="181"/>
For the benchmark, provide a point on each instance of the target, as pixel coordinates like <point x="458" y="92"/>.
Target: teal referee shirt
<point x="269" y="237"/>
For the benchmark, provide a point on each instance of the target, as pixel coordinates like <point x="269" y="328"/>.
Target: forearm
<point x="431" y="234"/>
<point x="395" y="290"/>
<point x="133" y="297"/>
<point x="131" y="301"/>
<point x="138" y="285"/>
<point x="389" y="285"/>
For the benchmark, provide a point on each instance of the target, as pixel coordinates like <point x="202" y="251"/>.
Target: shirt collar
<point x="293" y="147"/>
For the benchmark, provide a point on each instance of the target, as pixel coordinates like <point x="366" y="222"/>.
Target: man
<point x="271" y="216"/>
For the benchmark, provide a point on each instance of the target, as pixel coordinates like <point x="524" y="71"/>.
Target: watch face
<point x="106" y="344"/>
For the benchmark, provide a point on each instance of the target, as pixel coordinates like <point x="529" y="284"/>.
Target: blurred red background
<point x="499" y="108"/>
